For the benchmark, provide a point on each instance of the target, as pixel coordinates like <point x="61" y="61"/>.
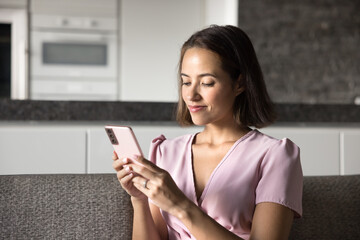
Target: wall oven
<point x="73" y="58"/>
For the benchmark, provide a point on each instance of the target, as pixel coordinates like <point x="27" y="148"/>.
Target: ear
<point x="239" y="85"/>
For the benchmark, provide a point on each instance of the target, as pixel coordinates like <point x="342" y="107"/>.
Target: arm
<point x="147" y="221"/>
<point x="271" y="221"/>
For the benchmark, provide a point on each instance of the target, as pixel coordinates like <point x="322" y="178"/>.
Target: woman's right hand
<point x="125" y="176"/>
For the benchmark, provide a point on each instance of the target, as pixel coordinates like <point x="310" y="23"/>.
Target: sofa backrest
<point x="86" y="206"/>
<point x="331" y="209"/>
<point x="94" y="206"/>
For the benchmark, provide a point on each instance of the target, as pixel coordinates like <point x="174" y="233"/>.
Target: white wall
<point x="151" y="35"/>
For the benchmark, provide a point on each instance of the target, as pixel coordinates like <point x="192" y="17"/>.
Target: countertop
<point x="29" y="110"/>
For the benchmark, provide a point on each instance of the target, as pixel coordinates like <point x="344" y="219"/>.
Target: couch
<point x="93" y="206"/>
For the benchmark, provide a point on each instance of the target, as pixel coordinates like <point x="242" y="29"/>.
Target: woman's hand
<point x="158" y="185"/>
<point x="125" y="176"/>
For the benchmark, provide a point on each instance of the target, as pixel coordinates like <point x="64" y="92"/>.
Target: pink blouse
<point x="256" y="169"/>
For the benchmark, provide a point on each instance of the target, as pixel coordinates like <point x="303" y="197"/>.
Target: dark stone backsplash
<point x="26" y="110"/>
<point x="308" y="50"/>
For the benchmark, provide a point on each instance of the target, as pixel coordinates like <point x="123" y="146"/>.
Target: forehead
<point x="200" y="57"/>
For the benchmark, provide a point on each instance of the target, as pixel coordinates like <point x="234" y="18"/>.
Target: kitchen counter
<point x="26" y="110"/>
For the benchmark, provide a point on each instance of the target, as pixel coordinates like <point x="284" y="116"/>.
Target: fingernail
<point x="125" y="160"/>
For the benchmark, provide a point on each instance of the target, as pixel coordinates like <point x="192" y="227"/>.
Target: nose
<point x="192" y="93"/>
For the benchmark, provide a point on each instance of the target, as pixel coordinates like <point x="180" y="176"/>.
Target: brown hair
<point x="253" y="107"/>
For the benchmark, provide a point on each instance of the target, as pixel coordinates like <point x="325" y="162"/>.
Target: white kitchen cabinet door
<point x="151" y="35"/>
<point x="99" y="152"/>
<point x="78" y="8"/>
<point x="42" y="150"/>
<point x="13" y="4"/>
<point x="319" y="148"/>
<point x="351" y="152"/>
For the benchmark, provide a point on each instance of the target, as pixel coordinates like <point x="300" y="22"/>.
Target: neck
<point x="218" y="134"/>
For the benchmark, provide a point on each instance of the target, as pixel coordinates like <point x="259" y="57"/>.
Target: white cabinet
<point x="350" y="159"/>
<point x="27" y="148"/>
<point x="13" y="4"/>
<point x="38" y="150"/>
<point x="78" y="8"/>
<point x="99" y="152"/>
<point x="319" y="148"/>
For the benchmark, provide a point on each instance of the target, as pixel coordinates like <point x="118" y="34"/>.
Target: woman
<point x="227" y="181"/>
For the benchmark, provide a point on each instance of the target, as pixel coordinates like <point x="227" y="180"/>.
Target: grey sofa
<point x="94" y="206"/>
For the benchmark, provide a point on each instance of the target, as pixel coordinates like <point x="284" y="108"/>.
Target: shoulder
<point x="161" y="146"/>
<point x="272" y="151"/>
<point x="278" y="154"/>
<point x="163" y="142"/>
<point x="274" y="145"/>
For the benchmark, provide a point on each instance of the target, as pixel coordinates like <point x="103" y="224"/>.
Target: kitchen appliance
<point x="13" y="54"/>
<point x="73" y="58"/>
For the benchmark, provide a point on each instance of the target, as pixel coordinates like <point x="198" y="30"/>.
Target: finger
<point x="115" y="156"/>
<point x="119" y="164"/>
<point x="126" y="180"/>
<point x="148" y="164"/>
<point x="144" y="171"/>
<point x="123" y="172"/>
<point x="142" y="184"/>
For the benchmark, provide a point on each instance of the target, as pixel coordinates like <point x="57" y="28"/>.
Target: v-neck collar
<point x="191" y="167"/>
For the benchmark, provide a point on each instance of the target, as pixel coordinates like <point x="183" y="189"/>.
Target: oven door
<point x="84" y="55"/>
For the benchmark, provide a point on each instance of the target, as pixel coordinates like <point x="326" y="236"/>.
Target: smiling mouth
<point x="195" y="109"/>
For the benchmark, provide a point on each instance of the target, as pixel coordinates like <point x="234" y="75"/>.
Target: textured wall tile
<point x="309" y="50"/>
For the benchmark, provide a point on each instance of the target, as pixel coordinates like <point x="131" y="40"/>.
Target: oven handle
<point x="75" y="37"/>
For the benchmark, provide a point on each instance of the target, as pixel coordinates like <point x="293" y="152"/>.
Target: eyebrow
<point x="201" y="75"/>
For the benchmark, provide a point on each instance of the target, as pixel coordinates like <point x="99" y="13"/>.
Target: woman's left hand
<point x="158" y="185"/>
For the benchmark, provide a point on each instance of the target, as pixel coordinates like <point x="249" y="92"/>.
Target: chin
<point x="199" y="122"/>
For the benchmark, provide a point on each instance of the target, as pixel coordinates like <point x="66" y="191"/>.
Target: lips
<point x="195" y="109"/>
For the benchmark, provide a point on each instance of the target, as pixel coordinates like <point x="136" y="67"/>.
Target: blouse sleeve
<point x="155" y="151"/>
<point x="280" y="177"/>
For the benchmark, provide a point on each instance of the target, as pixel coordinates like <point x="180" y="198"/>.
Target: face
<point x="207" y="89"/>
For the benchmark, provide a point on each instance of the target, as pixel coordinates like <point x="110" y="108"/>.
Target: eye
<point x="186" y="83"/>
<point x="208" y="84"/>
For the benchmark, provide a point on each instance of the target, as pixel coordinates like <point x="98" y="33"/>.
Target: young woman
<point x="227" y="181"/>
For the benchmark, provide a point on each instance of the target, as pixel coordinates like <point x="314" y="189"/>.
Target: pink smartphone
<point x="123" y="140"/>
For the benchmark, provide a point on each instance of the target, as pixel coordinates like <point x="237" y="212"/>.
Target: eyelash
<point x="204" y="84"/>
<point x="208" y="84"/>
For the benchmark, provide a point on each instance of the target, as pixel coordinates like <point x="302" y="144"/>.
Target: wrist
<point x="138" y="201"/>
<point x="184" y="210"/>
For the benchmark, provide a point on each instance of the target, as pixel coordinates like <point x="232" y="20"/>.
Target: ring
<point x="145" y="183"/>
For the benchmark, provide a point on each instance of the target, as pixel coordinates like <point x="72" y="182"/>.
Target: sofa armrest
<point x="84" y="206"/>
<point x="331" y="209"/>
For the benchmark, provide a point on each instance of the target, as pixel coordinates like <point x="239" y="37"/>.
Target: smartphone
<point x="123" y="141"/>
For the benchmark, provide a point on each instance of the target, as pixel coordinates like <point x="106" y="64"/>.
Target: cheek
<point x="216" y="96"/>
<point x="224" y="98"/>
<point x="183" y="94"/>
